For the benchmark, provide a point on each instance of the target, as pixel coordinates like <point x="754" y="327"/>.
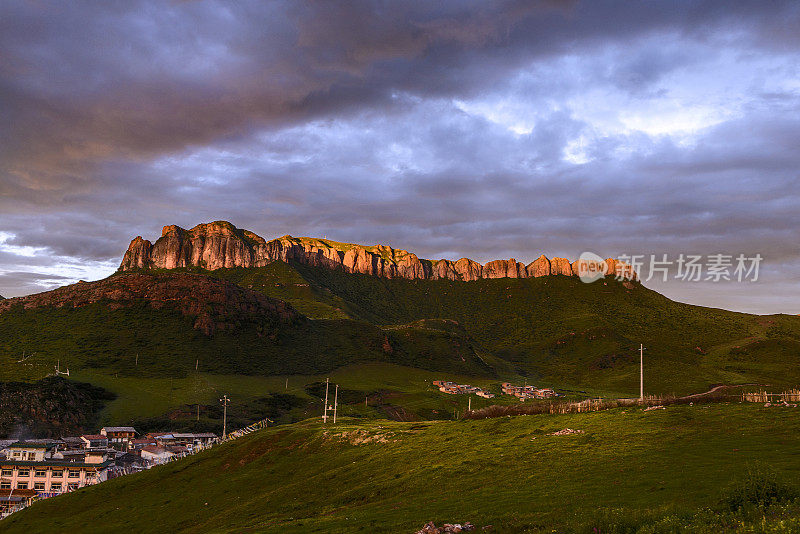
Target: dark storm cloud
<point x="464" y="128"/>
<point x="83" y="84"/>
<point x="26" y="282"/>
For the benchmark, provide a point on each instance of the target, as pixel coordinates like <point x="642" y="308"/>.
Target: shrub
<point x="759" y="486"/>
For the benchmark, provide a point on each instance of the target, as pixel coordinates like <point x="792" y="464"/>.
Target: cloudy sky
<point x="479" y="129"/>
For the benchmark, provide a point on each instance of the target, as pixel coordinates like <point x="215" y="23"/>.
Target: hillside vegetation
<point x="51" y="407"/>
<point x="168" y="324"/>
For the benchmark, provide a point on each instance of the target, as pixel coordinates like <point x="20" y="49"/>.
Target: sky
<point x="480" y="129"/>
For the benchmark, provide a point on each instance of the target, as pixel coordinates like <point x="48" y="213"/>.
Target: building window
<point x="74" y="474"/>
<point x="39" y="486"/>
<point x="23" y="473"/>
<point x="40" y="473"/>
<point x="22" y="485"/>
<point x="5" y="485"/>
<point x="72" y="487"/>
<point x="56" y="486"/>
<point x="57" y="473"/>
<point x="7" y="472"/>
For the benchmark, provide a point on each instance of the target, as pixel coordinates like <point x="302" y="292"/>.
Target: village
<point x="521" y="392"/>
<point x="38" y="469"/>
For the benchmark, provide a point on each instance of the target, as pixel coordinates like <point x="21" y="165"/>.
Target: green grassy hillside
<point x="143" y="342"/>
<point x="559" y="330"/>
<point x="657" y="471"/>
<point x="164" y="371"/>
<point x="552" y="331"/>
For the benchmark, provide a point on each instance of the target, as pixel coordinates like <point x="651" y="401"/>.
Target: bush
<point x="760" y="486"/>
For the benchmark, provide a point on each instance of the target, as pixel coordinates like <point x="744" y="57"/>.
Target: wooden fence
<point x="258" y="425"/>
<point x="793" y="395"/>
<point x="565" y="407"/>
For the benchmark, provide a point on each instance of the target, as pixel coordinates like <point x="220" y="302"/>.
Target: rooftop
<point x="10" y="495"/>
<point x="53" y="463"/>
<point x="155" y="449"/>
<point x="33" y="445"/>
<point x="118" y="429"/>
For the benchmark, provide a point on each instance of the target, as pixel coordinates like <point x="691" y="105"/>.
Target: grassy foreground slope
<point x="627" y="467"/>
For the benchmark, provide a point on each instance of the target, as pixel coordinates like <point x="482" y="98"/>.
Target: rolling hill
<point x="167" y="339"/>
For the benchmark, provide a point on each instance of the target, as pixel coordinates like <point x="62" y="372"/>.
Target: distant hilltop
<point x="220" y="244"/>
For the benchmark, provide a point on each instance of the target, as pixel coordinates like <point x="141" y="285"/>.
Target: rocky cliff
<point x="221" y="245"/>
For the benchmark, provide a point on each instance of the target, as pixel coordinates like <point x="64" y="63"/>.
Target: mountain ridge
<point x="214" y="304"/>
<point x="220" y="244"/>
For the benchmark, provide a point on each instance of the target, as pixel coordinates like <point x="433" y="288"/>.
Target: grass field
<point x="629" y="471"/>
<point x="387" y="389"/>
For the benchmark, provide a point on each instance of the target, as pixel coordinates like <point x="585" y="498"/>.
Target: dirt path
<point x="720" y="387"/>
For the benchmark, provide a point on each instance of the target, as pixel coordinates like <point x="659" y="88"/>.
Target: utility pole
<point x="325" y="408"/>
<point x="224" y="400"/>
<point x="469" y="403"/>
<point x="335" y="403"/>
<point x="641" y="372"/>
<point x="287" y="384"/>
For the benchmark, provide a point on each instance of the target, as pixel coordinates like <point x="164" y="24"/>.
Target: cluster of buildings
<point x="461" y="389"/>
<point x="521" y="392"/>
<point x="35" y="469"/>
<point x="527" y="392"/>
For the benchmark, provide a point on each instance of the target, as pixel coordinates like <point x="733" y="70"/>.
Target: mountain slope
<point x="214" y="304"/>
<point x="169" y="324"/>
<point x="137" y="328"/>
<point x="556" y="328"/>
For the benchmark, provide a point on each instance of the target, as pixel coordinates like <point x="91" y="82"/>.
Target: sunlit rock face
<point x="539" y="267"/>
<point x="561" y="266"/>
<point x="220" y="244"/>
